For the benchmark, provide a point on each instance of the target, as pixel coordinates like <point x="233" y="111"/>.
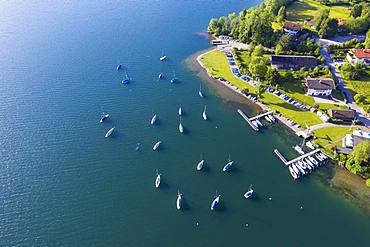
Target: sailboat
<point x="200" y="163"/>
<point x="204" y="114"/>
<point x="154" y="119"/>
<point x="200" y="91"/>
<point x="180" y="111"/>
<point x="249" y="193"/>
<point x="156" y="146"/>
<point x="181" y="128"/>
<point x="215" y="201"/>
<point x="228" y="165"/>
<point x="292" y="172"/>
<point x="110" y="131"/>
<point x="173" y="78"/>
<point x="163" y="57"/>
<point x="160" y="76"/>
<point x="119" y="66"/>
<point x="126" y="80"/>
<point x="179" y="200"/>
<point x="104" y="116"/>
<point x="157" y="180"/>
<point x="137" y="148"/>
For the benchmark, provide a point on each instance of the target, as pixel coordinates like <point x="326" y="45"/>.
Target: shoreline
<point x="350" y="187"/>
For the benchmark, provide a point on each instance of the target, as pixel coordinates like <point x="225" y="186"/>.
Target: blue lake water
<point x="63" y="184"/>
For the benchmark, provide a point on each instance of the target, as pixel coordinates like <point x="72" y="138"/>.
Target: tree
<point x="258" y="51"/>
<point x="358" y="160"/>
<point x="367" y="40"/>
<point x="356" y="10"/>
<point x="272" y="76"/>
<point x="359" y="98"/>
<point x="357" y="25"/>
<point x="328" y="28"/>
<point x="281" y="14"/>
<point x="284" y="43"/>
<point x="259" y="91"/>
<point x="258" y="69"/>
<point x="213" y="26"/>
<point x="323" y="15"/>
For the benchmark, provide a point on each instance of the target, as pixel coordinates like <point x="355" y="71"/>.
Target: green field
<point x="360" y="87"/>
<point x="329" y="137"/>
<point x="218" y="66"/>
<point x="305" y="10"/>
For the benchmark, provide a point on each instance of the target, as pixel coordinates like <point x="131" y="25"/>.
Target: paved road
<point x="360" y="113"/>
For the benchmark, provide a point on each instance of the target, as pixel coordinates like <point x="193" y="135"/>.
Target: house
<point x="293" y="62"/>
<point x="291" y="28"/>
<point x="345" y="115"/>
<point x="319" y="86"/>
<point x="350" y="141"/>
<point x="359" y="55"/>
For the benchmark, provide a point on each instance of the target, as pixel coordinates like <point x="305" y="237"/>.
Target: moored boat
<point x="103" y="117"/>
<point x="200" y="91"/>
<point x="272" y="118"/>
<point x="215" y="202"/>
<point x="249" y="193"/>
<point x="298" y="149"/>
<point x="156" y="146"/>
<point x="268" y="119"/>
<point x="162" y="58"/>
<point x="259" y="123"/>
<point x="292" y="172"/>
<point x="160" y="76"/>
<point x="181" y="128"/>
<point x="200" y="165"/>
<point x="227" y="165"/>
<point x="179" y="200"/>
<point x="154" y="119"/>
<point x="296" y="170"/>
<point x="204" y="114"/>
<point x="180" y="111"/>
<point x="119" y="66"/>
<point x="157" y="180"/>
<point x="110" y="131"/>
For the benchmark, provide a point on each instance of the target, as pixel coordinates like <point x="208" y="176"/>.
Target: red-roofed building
<point x="359" y="55"/>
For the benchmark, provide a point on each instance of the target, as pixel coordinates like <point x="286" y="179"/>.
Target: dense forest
<point x="255" y="25"/>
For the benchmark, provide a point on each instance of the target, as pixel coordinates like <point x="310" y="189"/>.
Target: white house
<point x="319" y="86"/>
<point x="291" y="28"/>
<point x="359" y="55"/>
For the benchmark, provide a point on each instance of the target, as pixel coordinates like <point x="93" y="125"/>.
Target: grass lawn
<point x="329" y="137"/>
<point x="360" y="87"/>
<point x="305" y="10"/>
<point x="218" y="66"/>
<point x="290" y="111"/>
<point x="325" y="107"/>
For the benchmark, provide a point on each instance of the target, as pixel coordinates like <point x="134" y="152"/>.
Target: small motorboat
<point x="292" y="172"/>
<point x="259" y="123"/>
<point x="268" y="119"/>
<point x="200" y="165"/>
<point x="157" y="180"/>
<point x="310" y="145"/>
<point x="255" y="124"/>
<point x="272" y="118"/>
<point x="119" y="66"/>
<point x="313" y="161"/>
<point x="154" y="119"/>
<point x="162" y="58"/>
<point x="300" y="168"/>
<point x="228" y="165"/>
<point x="215" y="202"/>
<point x="104" y="116"/>
<point x="179" y="200"/>
<point x="204" y="114"/>
<point x="249" y="193"/>
<point x="307" y="165"/>
<point x="318" y="157"/>
<point x="180" y="111"/>
<point x="296" y="170"/>
<point x="110" y="131"/>
<point x="156" y="146"/>
<point x="160" y="76"/>
<point x="303" y="165"/>
<point x="181" y="128"/>
<point x="298" y="149"/>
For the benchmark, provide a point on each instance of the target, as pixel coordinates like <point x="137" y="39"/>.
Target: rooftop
<point x="361" y="53"/>
<point x="302" y="61"/>
<point x="342" y="114"/>
<point x="292" y="26"/>
<point x="320" y="83"/>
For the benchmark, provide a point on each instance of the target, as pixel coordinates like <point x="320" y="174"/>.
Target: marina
<point x="254" y="122"/>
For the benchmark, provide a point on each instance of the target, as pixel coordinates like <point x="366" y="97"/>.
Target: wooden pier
<point x="287" y="163"/>
<point x="247" y="119"/>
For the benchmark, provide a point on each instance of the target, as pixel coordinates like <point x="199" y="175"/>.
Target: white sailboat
<point x="156" y="146"/>
<point x="292" y="172"/>
<point x="157" y="180"/>
<point x="180" y="111"/>
<point x="103" y="117"/>
<point x="268" y="119"/>
<point x="204" y="114"/>
<point x="228" y="165"/>
<point x="249" y="193"/>
<point x="200" y="163"/>
<point x="179" y="200"/>
<point x="215" y="201"/>
<point x="154" y="118"/>
<point x="181" y="128"/>
<point x="200" y="91"/>
<point x="110" y="131"/>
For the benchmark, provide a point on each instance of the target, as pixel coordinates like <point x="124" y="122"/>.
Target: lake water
<point x="63" y="184"/>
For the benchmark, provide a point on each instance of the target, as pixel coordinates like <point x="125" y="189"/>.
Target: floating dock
<point x="261" y="115"/>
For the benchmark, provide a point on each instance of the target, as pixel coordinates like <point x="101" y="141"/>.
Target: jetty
<point x="303" y="164"/>
<point x="287" y="163"/>
<point x="249" y="120"/>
